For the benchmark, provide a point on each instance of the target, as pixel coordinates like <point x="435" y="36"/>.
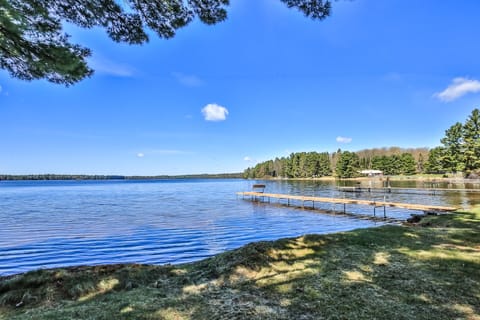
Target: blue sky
<point x="265" y="83"/>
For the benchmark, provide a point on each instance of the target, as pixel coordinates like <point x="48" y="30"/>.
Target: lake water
<point x="46" y="224"/>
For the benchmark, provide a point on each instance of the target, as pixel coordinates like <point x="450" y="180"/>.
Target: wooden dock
<point x="402" y="190"/>
<point x="345" y="201"/>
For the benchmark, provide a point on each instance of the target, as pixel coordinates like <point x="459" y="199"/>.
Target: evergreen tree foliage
<point x="452" y="157"/>
<point x="460" y="152"/>
<point x="407" y="163"/>
<point x="321" y="164"/>
<point x="434" y="162"/>
<point x="394" y="164"/>
<point x="381" y="163"/>
<point x="297" y="165"/>
<point x="372" y="158"/>
<point x="33" y="44"/>
<point x="420" y="164"/>
<point x="348" y="165"/>
<point x="471" y="139"/>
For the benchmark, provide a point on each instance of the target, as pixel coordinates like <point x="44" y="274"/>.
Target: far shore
<point x="420" y="178"/>
<point x="427" y="178"/>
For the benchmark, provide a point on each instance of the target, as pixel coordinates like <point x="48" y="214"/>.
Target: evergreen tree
<point x="289" y="167"/>
<point x="471" y="138"/>
<point x="408" y="166"/>
<point x="324" y="165"/>
<point x="348" y="165"/>
<point x="33" y="44"/>
<point x="452" y="158"/>
<point x="434" y="162"/>
<point x="278" y="167"/>
<point x="420" y="164"/>
<point x="381" y="163"/>
<point x="395" y="164"/>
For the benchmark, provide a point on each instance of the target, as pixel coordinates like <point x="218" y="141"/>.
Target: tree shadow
<point x="401" y="272"/>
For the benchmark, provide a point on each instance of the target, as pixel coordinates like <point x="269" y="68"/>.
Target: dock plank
<point x="408" y="206"/>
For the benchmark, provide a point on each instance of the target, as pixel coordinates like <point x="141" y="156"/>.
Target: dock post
<point x="344" y="208"/>
<point x="374" y="207"/>
<point x="384" y="212"/>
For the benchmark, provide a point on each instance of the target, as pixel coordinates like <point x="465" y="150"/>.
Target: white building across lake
<point x="371" y="172"/>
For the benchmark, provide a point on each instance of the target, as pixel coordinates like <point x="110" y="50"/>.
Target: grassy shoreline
<point x="401" y="272"/>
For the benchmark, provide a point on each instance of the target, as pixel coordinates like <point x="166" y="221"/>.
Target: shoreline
<point x="410" y="271"/>
<point x="422" y="178"/>
<point x="415" y="178"/>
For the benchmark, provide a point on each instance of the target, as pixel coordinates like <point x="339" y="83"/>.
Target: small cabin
<point x="258" y="188"/>
<point x="372" y="173"/>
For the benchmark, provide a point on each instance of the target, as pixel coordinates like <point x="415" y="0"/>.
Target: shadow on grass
<point x="410" y="272"/>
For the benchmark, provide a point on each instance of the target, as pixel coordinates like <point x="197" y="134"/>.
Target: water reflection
<point x="59" y="223"/>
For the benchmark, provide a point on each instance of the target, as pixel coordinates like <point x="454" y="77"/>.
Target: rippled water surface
<point x="45" y="224"/>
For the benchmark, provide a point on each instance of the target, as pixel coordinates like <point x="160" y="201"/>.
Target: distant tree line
<point x="343" y="164"/>
<point x="460" y="152"/>
<point x="60" y="177"/>
<point x="116" y="177"/>
<point x="297" y="165"/>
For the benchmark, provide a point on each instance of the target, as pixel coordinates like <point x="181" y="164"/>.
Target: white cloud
<point x="458" y="88"/>
<point x="343" y="139"/>
<point x="214" y="112"/>
<point x="247" y="159"/>
<point x="105" y="66"/>
<point x="140" y="155"/>
<point x="188" y="80"/>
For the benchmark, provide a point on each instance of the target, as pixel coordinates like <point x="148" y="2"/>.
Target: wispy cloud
<point x="140" y="155"/>
<point x="109" y="67"/>
<point x="188" y="80"/>
<point x="214" y="112"/>
<point x="0" y="89"/>
<point x="458" y="88"/>
<point x="248" y="159"/>
<point x="341" y="139"/>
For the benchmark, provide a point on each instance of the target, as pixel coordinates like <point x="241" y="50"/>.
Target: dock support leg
<point x="344" y="208"/>
<point x="374" y="213"/>
<point x="384" y="212"/>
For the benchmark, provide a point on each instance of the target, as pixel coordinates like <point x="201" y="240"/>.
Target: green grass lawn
<point x="425" y="271"/>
